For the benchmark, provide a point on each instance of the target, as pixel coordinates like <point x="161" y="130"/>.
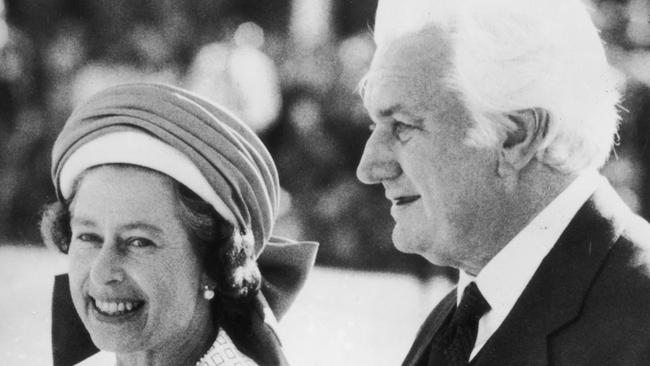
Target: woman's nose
<point x="378" y="161"/>
<point x="107" y="266"/>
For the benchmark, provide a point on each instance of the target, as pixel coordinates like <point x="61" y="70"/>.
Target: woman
<point x="165" y="207"/>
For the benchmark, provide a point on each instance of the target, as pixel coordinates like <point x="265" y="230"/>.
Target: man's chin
<point x="408" y="245"/>
<point x="424" y="248"/>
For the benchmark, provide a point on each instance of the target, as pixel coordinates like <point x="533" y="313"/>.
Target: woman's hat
<point x="202" y="146"/>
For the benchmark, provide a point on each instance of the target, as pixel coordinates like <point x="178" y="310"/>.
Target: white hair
<point x="512" y="55"/>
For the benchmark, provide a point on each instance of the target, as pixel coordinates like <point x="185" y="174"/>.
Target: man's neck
<point x="535" y="188"/>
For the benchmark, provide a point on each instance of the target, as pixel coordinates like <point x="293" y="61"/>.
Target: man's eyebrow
<point x="387" y="112"/>
<point x="399" y="108"/>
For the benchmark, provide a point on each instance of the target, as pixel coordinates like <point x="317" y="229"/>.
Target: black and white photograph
<point x="325" y="182"/>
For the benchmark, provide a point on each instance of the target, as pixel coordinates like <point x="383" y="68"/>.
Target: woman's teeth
<point x="117" y="308"/>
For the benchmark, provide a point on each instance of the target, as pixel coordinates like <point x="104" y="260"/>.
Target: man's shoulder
<point x="626" y="267"/>
<point x="612" y="324"/>
<point x="624" y="279"/>
<point x="636" y="234"/>
<point x="630" y="256"/>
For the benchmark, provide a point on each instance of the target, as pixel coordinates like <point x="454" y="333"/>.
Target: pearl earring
<point x="208" y="293"/>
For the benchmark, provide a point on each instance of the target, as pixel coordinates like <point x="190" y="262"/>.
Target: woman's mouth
<point x="116" y="308"/>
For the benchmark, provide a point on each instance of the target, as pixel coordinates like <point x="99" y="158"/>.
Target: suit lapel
<point x="431" y="325"/>
<point x="555" y="294"/>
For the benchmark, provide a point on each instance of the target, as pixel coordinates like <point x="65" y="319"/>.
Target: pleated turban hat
<point x="202" y="146"/>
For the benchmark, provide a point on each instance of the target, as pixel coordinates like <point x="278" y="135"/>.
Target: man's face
<point x="440" y="187"/>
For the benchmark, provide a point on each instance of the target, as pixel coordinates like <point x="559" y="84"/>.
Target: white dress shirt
<point x="505" y="276"/>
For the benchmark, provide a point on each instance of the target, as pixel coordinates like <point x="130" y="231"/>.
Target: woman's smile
<point x="115" y="310"/>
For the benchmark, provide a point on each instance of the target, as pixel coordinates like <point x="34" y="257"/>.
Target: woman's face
<point x="135" y="279"/>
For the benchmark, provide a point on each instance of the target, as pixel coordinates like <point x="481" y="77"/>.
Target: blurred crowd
<point x="289" y="68"/>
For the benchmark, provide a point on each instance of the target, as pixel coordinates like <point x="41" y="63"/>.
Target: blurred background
<point x="290" y="69"/>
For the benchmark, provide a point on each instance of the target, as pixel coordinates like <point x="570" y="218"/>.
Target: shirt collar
<point x="505" y="276"/>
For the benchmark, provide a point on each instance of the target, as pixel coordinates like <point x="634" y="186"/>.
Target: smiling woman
<point x="166" y="205"/>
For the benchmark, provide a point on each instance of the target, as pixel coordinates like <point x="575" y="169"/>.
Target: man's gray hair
<point x="511" y="55"/>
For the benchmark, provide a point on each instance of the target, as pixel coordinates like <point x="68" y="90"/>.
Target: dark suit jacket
<point x="587" y="304"/>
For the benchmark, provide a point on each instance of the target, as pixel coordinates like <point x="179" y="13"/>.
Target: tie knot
<point x="472" y="306"/>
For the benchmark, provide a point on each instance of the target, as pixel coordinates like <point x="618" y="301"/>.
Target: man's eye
<point x="401" y="130"/>
<point x="140" y="242"/>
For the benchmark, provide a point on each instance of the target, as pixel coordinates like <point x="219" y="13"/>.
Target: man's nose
<point x="378" y="160"/>
<point x="107" y="266"/>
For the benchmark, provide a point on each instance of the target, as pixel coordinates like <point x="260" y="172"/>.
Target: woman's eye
<point x="88" y="238"/>
<point x="140" y="242"/>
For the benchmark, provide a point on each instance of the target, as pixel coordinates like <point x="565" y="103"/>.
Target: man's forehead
<point x="410" y="69"/>
<point x="425" y="48"/>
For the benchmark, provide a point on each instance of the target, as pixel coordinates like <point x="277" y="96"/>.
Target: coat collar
<point x="434" y="321"/>
<point x="555" y="294"/>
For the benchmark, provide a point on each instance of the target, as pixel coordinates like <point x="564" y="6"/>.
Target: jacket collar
<point x="555" y="294"/>
<point x="434" y="321"/>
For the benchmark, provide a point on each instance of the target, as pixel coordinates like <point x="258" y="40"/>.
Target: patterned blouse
<point x="222" y="353"/>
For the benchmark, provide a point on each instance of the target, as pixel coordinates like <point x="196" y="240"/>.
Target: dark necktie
<point x="453" y="344"/>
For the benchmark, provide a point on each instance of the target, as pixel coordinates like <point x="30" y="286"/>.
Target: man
<point x="491" y="119"/>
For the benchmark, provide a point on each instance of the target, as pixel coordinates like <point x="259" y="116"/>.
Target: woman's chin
<point x="116" y="331"/>
<point x="115" y="344"/>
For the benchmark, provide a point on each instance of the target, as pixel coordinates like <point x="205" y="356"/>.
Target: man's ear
<point x="521" y="143"/>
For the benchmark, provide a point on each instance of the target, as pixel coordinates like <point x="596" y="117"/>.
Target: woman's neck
<point x="186" y="350"/>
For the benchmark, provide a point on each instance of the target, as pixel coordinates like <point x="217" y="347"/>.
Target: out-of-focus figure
<point x="239" y="76"/>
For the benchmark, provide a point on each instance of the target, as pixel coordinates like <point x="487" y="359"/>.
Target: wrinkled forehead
<point x="413" y="67"/>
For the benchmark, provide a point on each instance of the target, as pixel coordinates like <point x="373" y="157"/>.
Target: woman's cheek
<point x="79" y="265"/>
